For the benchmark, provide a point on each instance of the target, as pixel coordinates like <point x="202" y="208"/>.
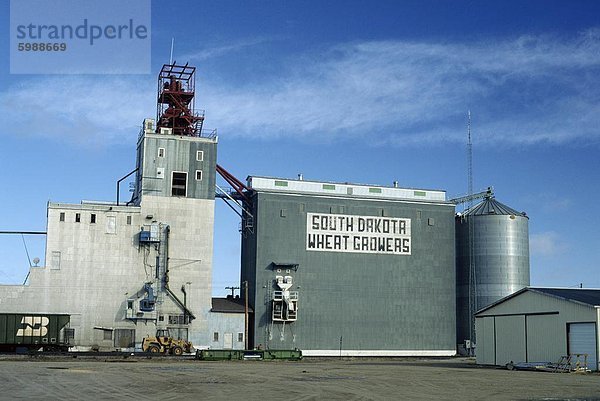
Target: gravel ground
<point x="139" y="378"/>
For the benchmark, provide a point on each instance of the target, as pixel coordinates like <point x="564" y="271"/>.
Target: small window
<point x="281" y="183"/>
<point x="240" y="337"/>
<point x="107" y="334"/>
<point x="93" y="218"/>
<point x="283" y="213"/>
<point x="128" y="220"/>
<point x="199" y="155"/>
<point x="77" y="217"/>
<point x="374" y="190"/>
<point x="329" y="187"/>
<point x="420" y="193"/>
<point x="160" y="172"/>
<point x="419" y="214"/>
<point x="161" y="152"/>
<point x="176" y="319"/>
<point x="55" y="261"/>
<point x="215" y="337"/>
<point x="431" y="221"/>
<point x="111" y="224"/>
<point x="198" y="175"/>
<point x="62" y="216"/>
<point x="161" y="318"/>
<point x="130" y="304"/>
<point x="179" y="184"/>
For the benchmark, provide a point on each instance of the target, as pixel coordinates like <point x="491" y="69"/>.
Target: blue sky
<point x="367" y="92"/>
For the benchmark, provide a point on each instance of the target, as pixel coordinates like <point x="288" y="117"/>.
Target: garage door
<point x="124" y="338"/>
<point x="582" y="340"/>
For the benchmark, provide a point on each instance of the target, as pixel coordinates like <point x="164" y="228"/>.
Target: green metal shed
<point x="539" y="324"/>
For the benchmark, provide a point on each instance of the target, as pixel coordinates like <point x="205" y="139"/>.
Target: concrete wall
<point x="376" y="304"/>
<point x="95" y="270"/>
<point x="531" y="327"/>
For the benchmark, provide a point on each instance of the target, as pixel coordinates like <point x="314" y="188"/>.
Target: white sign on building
<point x="357" y="234"/>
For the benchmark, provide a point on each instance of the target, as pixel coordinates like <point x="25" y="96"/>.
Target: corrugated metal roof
<point x="228" y="305"/>
<point x="585" y="296"/>
<point x="490" y="206"/>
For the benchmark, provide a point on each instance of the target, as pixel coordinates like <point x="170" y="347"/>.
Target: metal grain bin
<point x="492" y="259"/>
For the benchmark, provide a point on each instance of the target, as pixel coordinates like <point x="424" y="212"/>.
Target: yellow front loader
<point x="163" y="343"/>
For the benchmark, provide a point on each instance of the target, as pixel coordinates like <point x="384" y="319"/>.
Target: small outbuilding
<point x="539" y="324"/>
<point x="226" y="323"/>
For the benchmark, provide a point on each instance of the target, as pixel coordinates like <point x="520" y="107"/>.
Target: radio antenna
<point x="171" y="56"/>
<point x="469" y="157"/>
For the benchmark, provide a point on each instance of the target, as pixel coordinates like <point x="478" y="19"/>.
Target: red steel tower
<point x="175" y="107"/>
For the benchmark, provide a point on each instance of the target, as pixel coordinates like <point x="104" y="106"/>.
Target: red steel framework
<point x="175" y="106"/>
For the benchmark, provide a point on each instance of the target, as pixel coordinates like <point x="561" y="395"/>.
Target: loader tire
<point x="153" y="349"/>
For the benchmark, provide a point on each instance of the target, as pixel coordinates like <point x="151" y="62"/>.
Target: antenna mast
<point x="471" y="245"/>
<point x="171" y="56"/>
<point x="470" y="157"/>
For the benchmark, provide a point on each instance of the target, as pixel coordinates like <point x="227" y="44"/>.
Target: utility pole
<point x="245" y="284"/>
<point x="232" y="290"/>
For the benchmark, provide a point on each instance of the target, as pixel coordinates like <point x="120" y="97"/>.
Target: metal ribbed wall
<point x="364" y="304"/>
<point x="496" y="238"/>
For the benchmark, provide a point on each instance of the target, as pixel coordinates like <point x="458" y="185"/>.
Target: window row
<point x="341" y="209"/>
<point x="111" y="221"/>
<point x="199" y="154"/>
<point x="240" y="336"/>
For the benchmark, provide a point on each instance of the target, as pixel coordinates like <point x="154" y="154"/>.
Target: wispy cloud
<point x="547" y="243"/>
<point x="207" y="53"/>
<point x="522" y="91"/>
<point x="77" y="109"/>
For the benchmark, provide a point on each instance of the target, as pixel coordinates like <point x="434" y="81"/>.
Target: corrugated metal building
<point x="345" y="269"/>
<point x="540" y="324"/>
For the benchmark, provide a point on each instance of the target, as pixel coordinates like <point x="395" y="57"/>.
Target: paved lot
<point x="310" y="379"/>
